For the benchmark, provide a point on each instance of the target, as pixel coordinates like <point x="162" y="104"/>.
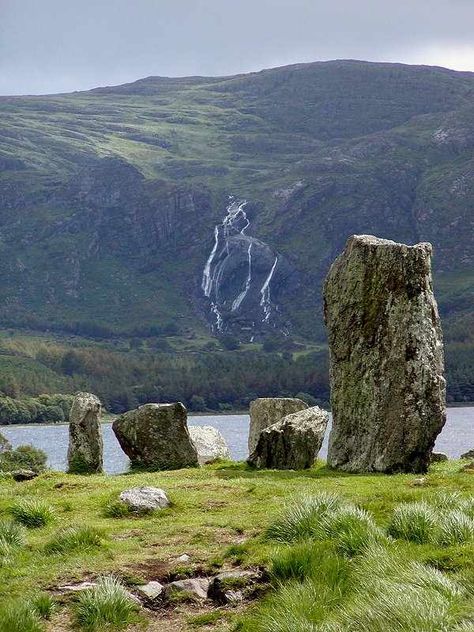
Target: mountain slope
<point x="113" y="201"/>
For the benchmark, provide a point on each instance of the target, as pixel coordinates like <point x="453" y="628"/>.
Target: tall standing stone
<point x="156" y="437"/>
<point x="85" y="452"/>
<point x="386" y="357"/>
<point x="266" y="411"/>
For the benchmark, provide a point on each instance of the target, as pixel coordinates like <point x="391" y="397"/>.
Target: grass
<point x="223" y="515"/>
<point x="107" y="604"/>
<point x="32" y="513"/>
<point x="20" y="617"/>
<point x="73" y="539"/>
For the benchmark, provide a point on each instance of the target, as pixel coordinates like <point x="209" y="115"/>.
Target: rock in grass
<point x="292" y="443"/>
<point x="156" y="437"/>
<point x="386" y="357"/>
<point x="210" y="444"/>
<point x="150" y="591"/>
<point x="85" y="452"/>
<point x="468" y="455"/>
<point x="194" y="589"/>
<point x="438" y="457"/>
<point x="5" y="445"/>
<point x="24" y="475"/>
<point x="232" y="586"/>
<point x="144" y="499"/>
<point x="266" y="411"/>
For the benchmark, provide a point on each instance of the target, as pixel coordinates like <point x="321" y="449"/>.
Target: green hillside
<point x="109" y="201"/>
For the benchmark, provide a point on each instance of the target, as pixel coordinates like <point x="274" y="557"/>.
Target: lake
<point x="457" y="437"/>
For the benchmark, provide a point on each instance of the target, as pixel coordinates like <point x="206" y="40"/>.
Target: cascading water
<point x="223" y="269"/>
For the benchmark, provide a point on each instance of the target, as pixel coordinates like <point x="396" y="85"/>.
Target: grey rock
<point x="266" y="411"/>
<point x="184" y="558"/>
<point x="386" y="357"/>
<point x="192" y="589"/>
<point x="156" y="437"/>
<point x="210" y="444"/>
<point x="5" y="445"/>
<point x="438" y="457"/>
<point x="150" y="591"/>
<point x="85" y="452"/>
<point x="232" y="586"/>
<point x="144" y="499"/>
<point x="292" y="443"/>
<point x="468" y="455"/>
<point x="24" y="475"/>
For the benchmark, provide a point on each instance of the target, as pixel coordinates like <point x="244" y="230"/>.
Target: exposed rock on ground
<point x="266" y="411"/>
<point x="24" y="475"/>
<point x="386" y="355"/>
<point x="439" y="457"/>
<point x="192" y="589"/>
<point x="150" y="591"/>
<point x="85" y="452"/>
<point x="232" y="586"/>
<point x="468" y="455"/>
<point x="156" y="437"/>
<point x="144" y="499"/>
<point x="210" y="444"/>
<point x="292" y="443"/>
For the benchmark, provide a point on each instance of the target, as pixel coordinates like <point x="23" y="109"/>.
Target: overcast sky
<point x="63" y="45"/>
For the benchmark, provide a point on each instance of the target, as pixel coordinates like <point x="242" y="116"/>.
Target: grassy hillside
<point x="109" y="198"/>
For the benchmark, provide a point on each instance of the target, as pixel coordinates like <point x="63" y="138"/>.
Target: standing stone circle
<point x="266" y="411"/>
<point x="292" y="443"/>
<point x="386" y="357"/>
<point x="156" y="437"/>
<point x="210" y="444"/>
<point x="85" y="451"/>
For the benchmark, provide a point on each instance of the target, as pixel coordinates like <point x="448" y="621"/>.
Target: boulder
<point x="233" y="586"/>
<point x="144" y="499"/>
<point x="468" y="455"/>
<point x="266" y="411"/>
<point x="85" y="452"/>
<point x="292" y="443"/>
<point x="386" y="357"/>
<point x="438" y="457"/>
<point x="156" y="437"/>
<point x="210" y="444"/>
<point x="194" y="589"/>
<point x="24" y="475"/>
<point x="150" y="591"/>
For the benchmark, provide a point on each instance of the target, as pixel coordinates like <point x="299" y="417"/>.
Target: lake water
<point x="457" y="437"/>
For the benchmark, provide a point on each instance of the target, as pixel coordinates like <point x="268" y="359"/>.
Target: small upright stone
<point x="266" y="411"/>
<point x="386" y="357"/>
<point x="85" y="452"/>
<point x="292" y="443"/>
<point x="156" y="437"/>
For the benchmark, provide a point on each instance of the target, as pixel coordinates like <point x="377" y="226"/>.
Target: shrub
<point x="105" y="604"/>
<point x="19" y="617"/>
<point x="416" y="522"/>
<point x="303" y="519"/>
<point x="32" y="513"/>
<point x="74" y="538"/>
<point x="23" y="457"/>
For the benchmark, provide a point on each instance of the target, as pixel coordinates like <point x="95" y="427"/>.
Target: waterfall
<point x="238" y="301"/>
<point x="265" y="301"/>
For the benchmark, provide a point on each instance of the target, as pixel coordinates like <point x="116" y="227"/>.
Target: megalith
<point x="293" y="442"/>
<point x="266" y="411"/>
<point x="85" y="451"/>
<point x="386" y="357"/>
<point x="210" y="444"/>
<point x="156" y="437"/>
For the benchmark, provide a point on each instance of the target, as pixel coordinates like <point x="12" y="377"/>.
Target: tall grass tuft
<point x="415" y="522"/>
<point x="44" y="605"/>
<point x="353" y="529"/>
<point x="32" y="513"/>
<point x="303" y="518"/>
<point x="454" y="527"/>
<point x="19" y="617"/>
<point x="107" y="604"/>
<point x="306" y="559"/>
<point x="74" y="538"/>
<point x="12" y="533"/>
